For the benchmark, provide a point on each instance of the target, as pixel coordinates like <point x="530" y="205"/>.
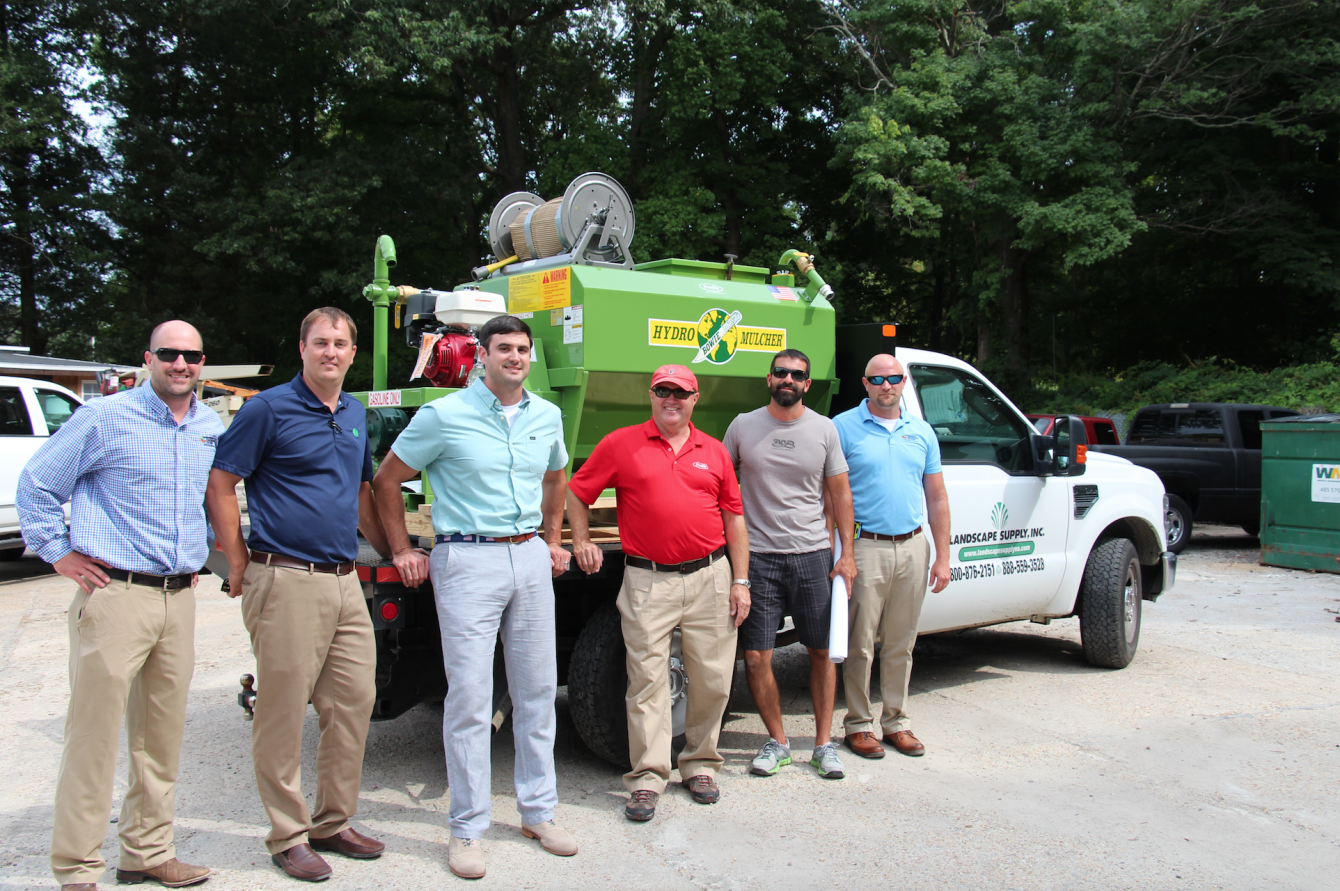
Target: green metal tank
<point x="1300" y="492"/>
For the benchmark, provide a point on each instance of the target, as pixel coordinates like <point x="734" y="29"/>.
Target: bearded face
<point x="785" y="392"/>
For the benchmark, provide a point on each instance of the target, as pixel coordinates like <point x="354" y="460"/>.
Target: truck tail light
<point x="389" y="611"/>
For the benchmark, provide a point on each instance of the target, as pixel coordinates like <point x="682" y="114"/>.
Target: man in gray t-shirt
<point x="793" y="478"/>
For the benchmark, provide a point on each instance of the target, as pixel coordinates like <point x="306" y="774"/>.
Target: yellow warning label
<point x="537" y="291"/>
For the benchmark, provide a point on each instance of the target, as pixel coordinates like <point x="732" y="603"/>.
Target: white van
<point x="1041" y="528"/>
<point x="30" y="411"/>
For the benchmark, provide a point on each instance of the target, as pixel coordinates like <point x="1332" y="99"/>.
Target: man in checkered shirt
<point x="133" y="467"/>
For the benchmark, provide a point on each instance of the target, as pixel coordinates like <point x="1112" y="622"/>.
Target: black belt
<point x="165" y="582"/>
<point x="294" y="563"/>
<point x="875" y="536"/>
<point x="681" y="568"/>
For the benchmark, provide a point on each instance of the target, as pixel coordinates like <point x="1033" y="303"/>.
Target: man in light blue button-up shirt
<point x="133" y="467"/>
<point x="495" y="459"/>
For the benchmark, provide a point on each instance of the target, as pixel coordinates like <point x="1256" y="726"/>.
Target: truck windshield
<point x="973" y="424"/>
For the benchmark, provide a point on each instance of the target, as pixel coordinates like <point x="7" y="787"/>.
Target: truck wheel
<point x="1177" y="522"/>
<point x="598" y="683"/>
<point x="1253" y="529"/>
<point x="1109" y="604"/>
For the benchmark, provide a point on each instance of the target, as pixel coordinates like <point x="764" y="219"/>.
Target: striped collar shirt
<point x="135" y="480"/>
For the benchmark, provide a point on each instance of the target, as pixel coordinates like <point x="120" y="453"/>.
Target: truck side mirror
<point x="1044" y="453"/>
<point x="1072" y="446"/>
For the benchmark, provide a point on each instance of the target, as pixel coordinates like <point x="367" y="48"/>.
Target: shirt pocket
<point x="533" y="453"/>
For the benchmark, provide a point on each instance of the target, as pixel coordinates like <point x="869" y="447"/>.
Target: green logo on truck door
<point x="716" y="336"/>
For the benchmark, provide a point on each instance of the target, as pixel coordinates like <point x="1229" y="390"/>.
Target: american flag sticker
<point x="782" y="293"/>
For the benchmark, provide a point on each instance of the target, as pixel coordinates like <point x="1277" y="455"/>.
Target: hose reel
<point x="592" y="223"/>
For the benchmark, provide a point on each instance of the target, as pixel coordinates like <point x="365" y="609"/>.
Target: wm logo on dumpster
<point x="716" y="336"/>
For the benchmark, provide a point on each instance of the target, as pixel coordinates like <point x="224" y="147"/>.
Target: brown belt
<point x="875" y="536"/>
<point x="294" y="563"/>
<point x="682" y="568"/>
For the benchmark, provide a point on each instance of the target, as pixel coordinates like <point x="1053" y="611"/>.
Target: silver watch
<point x="744" y="582"/>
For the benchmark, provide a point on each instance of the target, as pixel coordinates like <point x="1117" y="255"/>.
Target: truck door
<point x="1008" y="525"/>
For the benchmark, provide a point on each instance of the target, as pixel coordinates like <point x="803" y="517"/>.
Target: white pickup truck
<point x="1042" y="528"/>
<point x="30" y="411"/>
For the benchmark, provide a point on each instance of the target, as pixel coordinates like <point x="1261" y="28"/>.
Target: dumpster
<point x="1300" y="492"/>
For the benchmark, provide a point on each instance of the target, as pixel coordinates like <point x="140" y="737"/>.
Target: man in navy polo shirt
<point x="891" y="460"/>
<point x="302" y="448"/>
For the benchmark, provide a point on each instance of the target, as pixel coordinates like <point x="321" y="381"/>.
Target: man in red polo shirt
<point x="679" y="512"/>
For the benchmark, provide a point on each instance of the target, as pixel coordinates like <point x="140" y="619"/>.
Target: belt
<point x="294" y="563"/>
<point x="165" y="582"/>
<point x="495" y="539"/>
<point x="875" y="536"/>
<point x="681" y="568"/>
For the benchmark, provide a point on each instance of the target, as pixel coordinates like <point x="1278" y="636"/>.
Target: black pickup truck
<point x="1208" y="455"/>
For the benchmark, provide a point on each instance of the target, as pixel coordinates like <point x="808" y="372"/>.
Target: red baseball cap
<point x="675" y="374"/>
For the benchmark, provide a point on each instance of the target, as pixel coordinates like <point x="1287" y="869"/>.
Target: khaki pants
<point x="312" y="637"/>
<point x="132" y="652"/>
<point x="652" y="604"/>
<point x="885" y="601"/>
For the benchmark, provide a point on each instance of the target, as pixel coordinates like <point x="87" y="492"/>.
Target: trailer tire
<point x="1110" y="604"/>
<point x="597" y="684"/>
<point x="1178" y="524"/>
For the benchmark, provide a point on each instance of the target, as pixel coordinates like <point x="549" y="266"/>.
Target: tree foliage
<point x="1032" y="184"/>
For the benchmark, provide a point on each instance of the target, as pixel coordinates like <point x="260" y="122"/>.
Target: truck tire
<point x="1253" y="528"/>
<point x="1178" y="524"/>
<point x="1109" y="604"/>
<point x="597" y="684"/>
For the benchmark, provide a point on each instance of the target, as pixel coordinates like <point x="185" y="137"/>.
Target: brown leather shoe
<point x="350" y="843"/>
<point x="170" y="874"/>
<point x="905" y="742"/>
<point x="864" y="744"/>
<point x="301" y="862"/>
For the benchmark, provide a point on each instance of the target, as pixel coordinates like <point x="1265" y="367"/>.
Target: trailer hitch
<point x="247" y="698"/>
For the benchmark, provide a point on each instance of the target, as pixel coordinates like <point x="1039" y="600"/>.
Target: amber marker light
<point x="890" y="330"/>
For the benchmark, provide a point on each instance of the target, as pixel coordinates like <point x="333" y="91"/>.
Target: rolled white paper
<point x="837" y="625"/>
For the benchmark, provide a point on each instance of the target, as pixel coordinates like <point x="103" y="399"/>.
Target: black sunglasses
<point x="169" y="356"/>
<point x="879" y="379"/>
<point x="677" y="392"/>
<point x="795" y="373"/>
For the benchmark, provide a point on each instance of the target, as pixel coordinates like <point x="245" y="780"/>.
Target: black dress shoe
<point x="350" y="843"/>
<point x="301" y="862"/>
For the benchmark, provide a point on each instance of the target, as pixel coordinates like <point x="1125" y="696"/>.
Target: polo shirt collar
<point x="491" y="402"/>
<point x="654" y="432"/>
<point x="309" y="399"/>
<point x="864" y="411"/>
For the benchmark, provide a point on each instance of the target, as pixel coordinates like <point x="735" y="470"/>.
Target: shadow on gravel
<point x="29" y="566"/>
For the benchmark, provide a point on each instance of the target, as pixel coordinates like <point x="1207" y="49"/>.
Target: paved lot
<point x="1212" y="762"/>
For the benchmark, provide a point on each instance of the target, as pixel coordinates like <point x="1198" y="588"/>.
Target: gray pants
<point x="483" y="589"/>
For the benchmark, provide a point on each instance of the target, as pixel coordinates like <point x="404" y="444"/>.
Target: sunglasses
<point x="794" y="373"/>
<point x="667" y="392"/>
<point x="879" y="379"/>
<point x="169" y="356"/>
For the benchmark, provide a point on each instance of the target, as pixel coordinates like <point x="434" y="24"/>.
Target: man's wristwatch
<point x="744" y="582"/>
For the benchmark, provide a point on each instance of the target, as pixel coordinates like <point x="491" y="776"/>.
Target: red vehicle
<point x="1101" y="430"/>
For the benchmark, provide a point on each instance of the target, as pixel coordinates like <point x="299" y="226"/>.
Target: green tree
<point x="53" y="240"/>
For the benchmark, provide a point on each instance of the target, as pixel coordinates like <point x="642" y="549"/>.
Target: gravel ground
<point x="1213" y="761"/>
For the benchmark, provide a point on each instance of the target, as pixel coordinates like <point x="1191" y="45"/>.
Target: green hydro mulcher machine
<point x="601" y="324"/>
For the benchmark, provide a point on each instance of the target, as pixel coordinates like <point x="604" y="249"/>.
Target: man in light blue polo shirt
<point x="891" y="459"/>
<point x="495" y="459"/>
